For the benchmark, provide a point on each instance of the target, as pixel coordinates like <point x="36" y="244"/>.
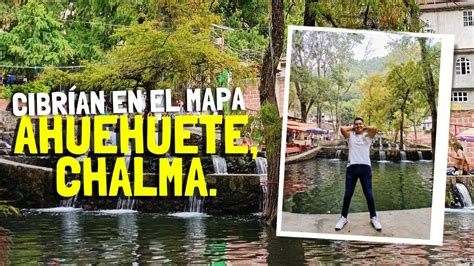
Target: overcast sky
<point x="377" y="48"/>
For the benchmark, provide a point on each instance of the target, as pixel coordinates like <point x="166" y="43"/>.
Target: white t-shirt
<point x="359" y="148"/>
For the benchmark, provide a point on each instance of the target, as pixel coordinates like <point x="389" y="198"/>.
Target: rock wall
<point x="390" y="154"/>
<point x="468" y="181"/>
<point x="236" y="194"/>
<point x="29" y="186"/>
<point x="8" y="124"/>
<point x="26" y="185"/>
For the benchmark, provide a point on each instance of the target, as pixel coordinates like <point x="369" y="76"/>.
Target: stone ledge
<point x="398" y="223"/>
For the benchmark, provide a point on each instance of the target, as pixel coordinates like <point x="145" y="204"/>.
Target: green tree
<point x="430" y="61"/>
<point x="90" y="25"/>
<point x="272" y="122"/>
<point x="151" y="56"/>
<point x="310" y="67"/>
<point x="397" y="15"/>
<point x="341" y="57"/>
<point x="374" y="105"/>
<point x="243" y="14"/>
<point x="36" y="39"/>
<point x="404" y="81"/>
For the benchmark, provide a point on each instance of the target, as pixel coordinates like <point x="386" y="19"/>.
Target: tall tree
<point x="399" y="15"/>
<point x="272" y="134"/>
<point x="403" y="81"/>
<point x="36" y="39"/>
<point x="310" y="70"/>
<point x="429" y="89"/>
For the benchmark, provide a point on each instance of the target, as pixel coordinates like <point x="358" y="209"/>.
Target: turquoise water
<point x="88" y="237"/>
<point x="318" y="186"/>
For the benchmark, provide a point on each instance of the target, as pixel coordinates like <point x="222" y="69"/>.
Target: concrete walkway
<point x="413" y="223"/>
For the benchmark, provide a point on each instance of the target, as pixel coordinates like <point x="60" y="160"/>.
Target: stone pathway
<point x="413" y="223"/>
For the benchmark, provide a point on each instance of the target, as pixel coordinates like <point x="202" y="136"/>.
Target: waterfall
<point x="69" y="202"/>
<point x="264" y="196"/>
<point x="262" y="170"/>
<point x="127" y="203"/>
<point x="381" y="155"/>
<point x="338" y="154"/>
<point x="195" y="203"/>
<point x="261" y="165"/>
<point x="420" y="155"/>
<point x="220" y="166"/>
<point x="403" y="155"/>
<point x="397" y="147"/>
<point x="128" y="157"/>
<point x="466" y="198"/>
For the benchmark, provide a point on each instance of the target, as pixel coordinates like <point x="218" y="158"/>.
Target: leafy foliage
<point x="36" y="39"/>
<point x="31" y="87"/>
<point x="396" y="15"/>
<point x="151" y="56"/>
<point x="9" y="210"/>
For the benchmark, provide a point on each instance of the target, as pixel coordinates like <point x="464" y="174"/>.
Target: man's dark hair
<point x="358" y="118"/>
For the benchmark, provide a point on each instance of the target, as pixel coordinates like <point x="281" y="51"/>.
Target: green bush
<point x="31" y="87"/>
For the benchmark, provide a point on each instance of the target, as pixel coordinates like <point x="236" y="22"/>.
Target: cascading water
<point x="338" y="154"/>
<point x="262" y="171"/>
<point x="195" y="203"/>
<point x="403" y="156"/>
<point x="264" y="197"/>
<point x="69" y="202"/>
<point x="466" y="198"/>
<point x="127" y="203"/>
<point x="420" y="155"/>
<point x="382" y="155"/>
<point x="220" y="166"/>
<point x="261" y="165"/>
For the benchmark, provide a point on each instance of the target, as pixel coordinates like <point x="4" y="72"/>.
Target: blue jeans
<point x="364" y="173"/>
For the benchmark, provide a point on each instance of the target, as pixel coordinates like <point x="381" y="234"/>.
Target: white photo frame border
<point x="442" y="136"/>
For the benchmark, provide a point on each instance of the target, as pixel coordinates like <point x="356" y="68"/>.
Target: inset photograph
<point x="364" y="111"/>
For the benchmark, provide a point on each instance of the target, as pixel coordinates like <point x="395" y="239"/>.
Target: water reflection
<point x="139" y="238"/>
<point x="317" y="186"/>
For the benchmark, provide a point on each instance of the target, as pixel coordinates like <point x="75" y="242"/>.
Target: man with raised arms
<point x="359" y="139"/>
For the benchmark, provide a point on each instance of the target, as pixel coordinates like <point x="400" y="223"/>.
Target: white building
<point x="455" y="17"/>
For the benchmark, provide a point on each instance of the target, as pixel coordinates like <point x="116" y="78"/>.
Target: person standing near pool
<point x="359" y="140"/>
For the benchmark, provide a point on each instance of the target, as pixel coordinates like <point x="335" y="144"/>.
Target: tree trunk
<point x="430" y="91"/>
<point x="267" y="94"/>
<point x="402" y="122"/>
<point x="319" y="115"/>
<point x="304" y="113"/>
<point x="401" y="129"/>
<point x="414" y="122"/>
<point x="308" y="17"/>
<point x="272" y="55"/>
<point x="303" y="104"/>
